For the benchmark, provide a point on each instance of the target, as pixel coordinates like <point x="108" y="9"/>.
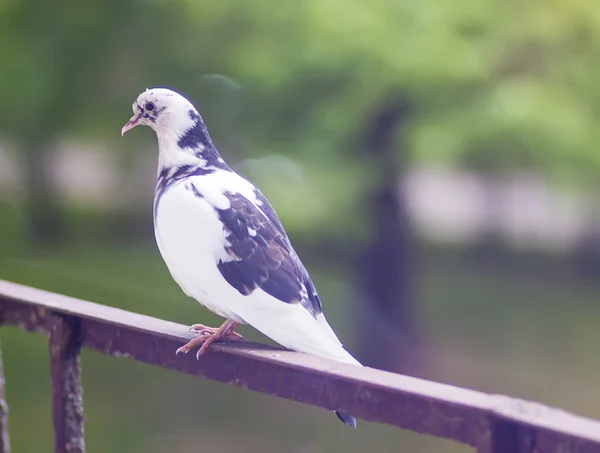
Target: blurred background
<point x="435" y="164"/>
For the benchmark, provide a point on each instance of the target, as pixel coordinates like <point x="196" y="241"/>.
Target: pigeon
<point x="224" y="244"/>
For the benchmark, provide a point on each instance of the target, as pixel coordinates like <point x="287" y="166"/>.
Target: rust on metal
<point x="491" y="423"/>
<point x="4" y="442"/>
<point x="67" y="394"/>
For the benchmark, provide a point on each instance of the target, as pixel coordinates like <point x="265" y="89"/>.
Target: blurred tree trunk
<point x="491" y="243"/>
<point x="490" y="246"/>
<point x="43" y="212"/>
<point x="65" y="59"/>
<point x="586" y="253"/>
<point x="386" y="266"/>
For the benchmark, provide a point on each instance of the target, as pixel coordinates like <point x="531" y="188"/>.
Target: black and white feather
<point x="221" y="239"/>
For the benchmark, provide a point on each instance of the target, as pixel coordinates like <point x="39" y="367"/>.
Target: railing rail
<point x="490" y="423"/>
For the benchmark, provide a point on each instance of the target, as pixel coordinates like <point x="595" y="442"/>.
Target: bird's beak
<point x="133" y="122"/>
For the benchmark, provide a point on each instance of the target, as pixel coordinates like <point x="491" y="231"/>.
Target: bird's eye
<point x="149" y="106"/>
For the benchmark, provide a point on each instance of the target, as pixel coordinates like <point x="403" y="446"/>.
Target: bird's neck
<point x="185" y="151"/>
<point x="188" y="144"/>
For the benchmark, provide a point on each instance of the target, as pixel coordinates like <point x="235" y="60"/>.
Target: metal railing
<point x="489" y="423"/>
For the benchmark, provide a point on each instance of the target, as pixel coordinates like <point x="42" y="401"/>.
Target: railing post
<point x="4" y="443"/>
<point x="67" y="393"/>
<point x="506" y="437"/>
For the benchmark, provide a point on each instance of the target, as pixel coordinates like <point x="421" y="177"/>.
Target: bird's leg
<point x="207" y="335"/>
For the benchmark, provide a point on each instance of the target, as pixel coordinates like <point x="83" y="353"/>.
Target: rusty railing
<point x="489" y="423"/>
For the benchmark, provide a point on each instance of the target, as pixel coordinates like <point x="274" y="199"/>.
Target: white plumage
<point x="191" y="241"/>
<point x="221" y="240"/>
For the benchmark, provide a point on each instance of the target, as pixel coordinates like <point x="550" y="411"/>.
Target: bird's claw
<point x="182" y="350"/>
<point x="200" y="352"/>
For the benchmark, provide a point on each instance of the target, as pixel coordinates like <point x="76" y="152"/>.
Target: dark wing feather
<point x="312" y="300"/>
<point x="262" y="255"/>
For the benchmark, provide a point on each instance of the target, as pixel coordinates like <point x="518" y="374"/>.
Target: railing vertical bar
<point x="4" y="442"/>
<point x="506" y="437"/>
<point x="67" y="393"/>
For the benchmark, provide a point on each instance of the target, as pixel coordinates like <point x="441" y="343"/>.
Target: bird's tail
<point x="344" y="357"/>
<point x="293" y="327"/>
<point x="347" y="419"/>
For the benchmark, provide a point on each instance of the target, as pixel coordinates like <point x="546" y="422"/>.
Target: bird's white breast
<point x="191" y="238"/>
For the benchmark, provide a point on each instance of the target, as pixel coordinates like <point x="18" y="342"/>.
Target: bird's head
<point x="163" y="110"/>
<point x="182" y="135"/>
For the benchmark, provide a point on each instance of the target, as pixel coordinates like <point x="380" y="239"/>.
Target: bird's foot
<point x="228" y="335"/>
<point x="208" y="335"/>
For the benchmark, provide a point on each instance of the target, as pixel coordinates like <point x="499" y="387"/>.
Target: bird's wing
<point x="263" y="261"/>
<point x="268" y="210"/>
<point x="262" y="255"/>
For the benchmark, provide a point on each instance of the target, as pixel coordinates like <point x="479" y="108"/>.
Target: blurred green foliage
<point x="496" y="85"/>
